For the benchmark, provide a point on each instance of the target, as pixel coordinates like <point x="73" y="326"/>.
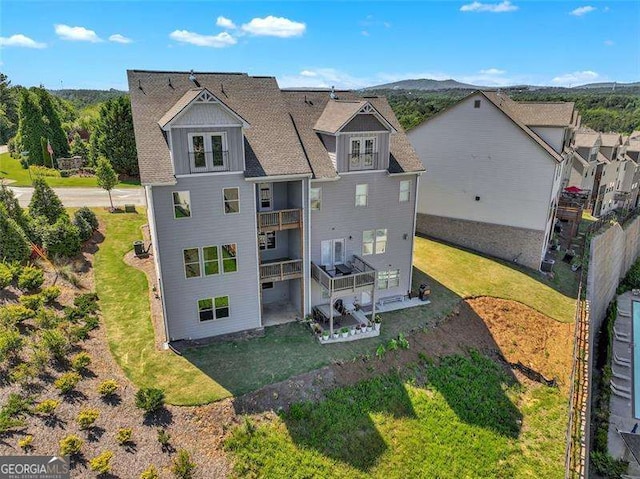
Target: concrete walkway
<point x="76" y="197"/>
<point x="622" y="392"/>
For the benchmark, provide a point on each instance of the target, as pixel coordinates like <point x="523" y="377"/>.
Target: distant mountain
<point x="82" y="98"/>
<point x="610" y="85"/>
<point x="425" y="84"/>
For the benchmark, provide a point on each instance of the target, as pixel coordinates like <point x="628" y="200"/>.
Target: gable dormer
<point x="205" y="135"/>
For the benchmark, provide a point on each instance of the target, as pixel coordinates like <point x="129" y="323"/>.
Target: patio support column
<point x="373" y="302"/>
<point x="331" y="316"/>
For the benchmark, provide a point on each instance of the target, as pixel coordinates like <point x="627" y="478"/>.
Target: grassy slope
<point x="469" y="275"/>
<point x="11" y="169"/>
<point x="124" y="299"/>
<point x="462" y="422"/>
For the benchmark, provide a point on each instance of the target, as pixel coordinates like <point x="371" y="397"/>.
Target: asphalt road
<point x="87" y="196"/>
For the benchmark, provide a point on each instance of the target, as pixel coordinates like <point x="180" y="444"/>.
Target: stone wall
<point x="504" y="242"/>
<point x="72" y="163"/>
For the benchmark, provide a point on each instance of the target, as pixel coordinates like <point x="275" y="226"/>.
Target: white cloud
<point x="117" y="38"/>
<point x="20" y="40"/>
<point x="609" y="43"/>
<point x="576" y="78"/>
<point x="224" y="22"/>
<point x="580" y="11"/>
<point x="76" y="34"/>
<point x="505" y="6"/>
<point x="492" y="71"/>
<point x="220" y="40"/>
<point x="324" y="78"/>
<point x="308" y="73"/>
<point x="364" y="33"/>
<point x="274" y="27"/>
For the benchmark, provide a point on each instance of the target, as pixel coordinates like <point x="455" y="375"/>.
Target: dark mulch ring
<point x="199" y="430"/>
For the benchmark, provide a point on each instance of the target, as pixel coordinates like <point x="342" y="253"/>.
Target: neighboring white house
<point x="581" y="171"/>
<point x="494" y="170"/>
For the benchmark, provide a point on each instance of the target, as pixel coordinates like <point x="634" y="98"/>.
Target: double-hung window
<point x="362" y="193"/>
<point x="381" y="241"/>
<point x="211" y="260"/>
<point x="207" y="151"/>
<point x="315" y="198"/>
<point x="388" y="279"/>
<point x="405" y="188"/>
<point x="229" y="258"/>
<point x="374" y="241"/>
<point x="362" y="152"/>
<point x="231" y="200"/>
<point x="181" y="204"/>
<point x="191" y="258"/>
<point x="368" y="240"/>
<point x="268" y="241"/>
<point x="213" y="308"/>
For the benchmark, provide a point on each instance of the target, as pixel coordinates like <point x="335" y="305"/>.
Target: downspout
<point x="413" y="233"/>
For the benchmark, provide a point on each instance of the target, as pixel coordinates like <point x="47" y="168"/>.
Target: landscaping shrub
<point x="87" y="417"/>
<point x="13" y="314"/>
<point x="11" y="343"/>
<point x="631" y="279"/>
<point x="25" y="443"/>
<point x="39" y="358"/>
<point x="124" y="435"/>
<point x="107" y="387"/>
<point x="84" y="229"/>
<point x="50" y="294"/>
<point x="47" y="407"/>
<point x="607" y="466"/>
<point x="38" y="170"/>
<point x="62" y="239"/>
<point x="46" y="319"/>
<point x="80" y="361"/>
<point x="23" y="373"/>
<point x="67" y="382"/>
<point x="86" y="303"/>
<point x="32" y="301"/>
<point x="164" y="438"/>
<point x="14" y="244"/>
<point x="6" y="275"/>
<point x="89" y="216"/>
<point x="56" y="343"/>
<point x="150" y="473"/>
<point x="31" y="278"/>
<point x="67" y="273"/>
<point x="101" y="463"/>
<point x="150" y="399"/>
<point x="182" y="466"/>
<point x="45" y="202"/>
<point x="13" y="412"/>
<point x="70" y="445"/>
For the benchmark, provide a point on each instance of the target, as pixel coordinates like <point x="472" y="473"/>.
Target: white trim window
<point x="229" y="258"/>
<point x="191" y="259"/>
<point x="231" y="199"/>
<point x="389" y="279"/>
<point x="210" y="309"/>
<point x="405" y="191"/>
<point x="269" y="241"/>
<point x="368" y="242"/>
<point x="315" y="198"/>
<point x="222" y="309"/>
<point x="207" y="151"/>
<point x="211" y="260"/>
<point x="265" y="191"/>
<point x="362" y="152"/>
<point x="362" y="194"/>
<point x="205" y="309"/>
<point x="381" y="241"/>
<point x="181" y="204"/>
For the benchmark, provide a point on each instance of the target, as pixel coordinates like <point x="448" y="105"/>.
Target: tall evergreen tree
<point x="79" y="147"/>
<point x="45" y="202"/>
<point x="31" y="127"/>
<point x="55" y="134"/>
<point x="14" y="245"/>
<point x="12" y="207"/>
<point x="114" y="135"/>
<point x="8" y="109"/>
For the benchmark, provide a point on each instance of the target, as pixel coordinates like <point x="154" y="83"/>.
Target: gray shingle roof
<point x="545" y="113"/>
<point x="586" y="139"/>
<point x="610" y="139"/>
<point x="180" y="105"/>
<point x="336" y="113"/>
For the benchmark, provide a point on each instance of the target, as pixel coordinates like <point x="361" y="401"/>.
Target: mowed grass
<point x="468" y="275"/>
<point x="11" y="169"/>
<point x="464" y="418"/>
<point x="124" y="300"/>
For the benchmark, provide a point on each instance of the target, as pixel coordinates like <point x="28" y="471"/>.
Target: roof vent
<point x="192" y="78"/>
<point x="332" y="95"/>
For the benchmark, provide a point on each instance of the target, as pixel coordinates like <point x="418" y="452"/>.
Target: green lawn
<point x="11" y="169"/>
<point x="468" y="275"/>
<point x="463" y="418"/>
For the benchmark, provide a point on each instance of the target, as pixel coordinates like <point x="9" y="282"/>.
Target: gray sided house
<point x="265" y="203"/>
<point x="494" y="174"/>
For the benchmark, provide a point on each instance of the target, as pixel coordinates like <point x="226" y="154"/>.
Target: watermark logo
<point x="34" y="467"/>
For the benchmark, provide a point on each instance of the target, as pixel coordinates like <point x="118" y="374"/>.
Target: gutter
<point x="262" y="179"/>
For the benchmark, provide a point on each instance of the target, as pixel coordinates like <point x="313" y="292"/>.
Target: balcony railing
<point x="281" y="270"/>
<point x="279" y="220"/>
<point x="208" y="161"/>
<point x="362" y="275"/>
<point x="363" y="161"/>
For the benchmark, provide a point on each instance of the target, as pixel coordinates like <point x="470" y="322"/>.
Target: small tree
<point x="14" y="245"/>
<point x="183" y="466"/>
<point x="107" y="177"/>
<point x="45" y="202"/>
<point x="79" y="147"/>
<point x="62" y="239"/>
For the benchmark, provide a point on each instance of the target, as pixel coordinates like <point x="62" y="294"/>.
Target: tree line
<point x="32" y="119"/>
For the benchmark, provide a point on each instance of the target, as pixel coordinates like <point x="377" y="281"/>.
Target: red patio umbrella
<point x="573" y="189"/>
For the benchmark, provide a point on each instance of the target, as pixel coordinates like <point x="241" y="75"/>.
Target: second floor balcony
<point x="208" y="161"/>
<point x="279" y="220"/>
<point x="280" y="270"/>
<point x="357" y="275"/>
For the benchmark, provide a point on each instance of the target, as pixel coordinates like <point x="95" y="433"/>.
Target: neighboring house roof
<point x="603" y="159"/>
<point x="307" y="106"/>
<point x="506" y="105"/>
<point x="610" y="139"/>
<point x="271" y="143"/>
<point x="560" y="114"/>
<point x="580" y="160"/>
<point x="337" y="113"/>
<point x="586" y="139"/>
<point x="630" y="160"/>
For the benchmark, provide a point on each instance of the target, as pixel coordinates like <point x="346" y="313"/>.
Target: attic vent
<point x="206" y="97"/>
<point x="367" y="109"/>
<point x="476" y="104"/>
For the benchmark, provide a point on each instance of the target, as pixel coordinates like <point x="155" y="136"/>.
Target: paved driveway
<point x="87" y="196"/>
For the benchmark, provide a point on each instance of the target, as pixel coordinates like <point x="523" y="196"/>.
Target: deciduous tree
<point x="106" y="176"/>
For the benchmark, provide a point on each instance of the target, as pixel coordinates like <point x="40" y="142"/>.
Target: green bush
<point x="47" y="407"/>
<point x="150" y="473"/>
<point x="101" y="463"/>
<point x="50" y="294"/>
<point x="16" y="406"/>
<point x="70" y="445"/>
<point x="86" y="303"/>
<point x="80" y="361"/>
<point x="164" y="438"/>
<point x="13" y="314"/>
<point x="607" y="466"/>
<point x="182" y="466"/>
<point x="25" y="443"/>
<point x="56" y="343"/>
<point x="38" y="170"/>
<point x="31" y="278"/>
<point x="84" y="229"/>
<point x="107" y="387"/>
<point x="62" y="239"/>
<point x="46" y="319"/>
<point x="14" y="244"/>
<point x="6" y="275"/>
<point x="89" y="216"/>
<point x="67" y="382"/>
<point x="150" y="399"/>
<point x="23" y="373"/>
<point x="45" y="202"/>
<point x="87" y="417"/>
<point x="11" y="343"/>
<point x="32" y="301"/>
<point x="124" y="435"/>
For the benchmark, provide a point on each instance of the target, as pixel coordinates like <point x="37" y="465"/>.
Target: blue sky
<point x="84" y="44"/>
